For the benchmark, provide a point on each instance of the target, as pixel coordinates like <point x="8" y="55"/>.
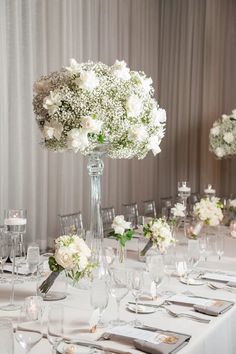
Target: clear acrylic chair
<point x="131" y="213"/>
<point x="108" y="215"/>
<point x="149" y="208"/>
<point x="166" y="205"/>
<point x="191" y="201"/>
<point x="71" y="224"/>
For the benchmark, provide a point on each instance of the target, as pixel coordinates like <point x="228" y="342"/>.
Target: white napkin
<point x="219" y="277"/>
<point x="190" y="300"/>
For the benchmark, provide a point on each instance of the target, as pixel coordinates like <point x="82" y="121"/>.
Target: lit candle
<point x="209" y="190"/>
<point x="184" y="188"/>
<point x="15" y="221"/>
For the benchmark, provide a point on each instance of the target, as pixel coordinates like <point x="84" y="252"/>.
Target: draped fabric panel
<point x="186" y="46"/>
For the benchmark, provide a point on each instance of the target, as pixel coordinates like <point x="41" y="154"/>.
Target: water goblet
<point x="6" y="336"/>
<point x="155" y="268"/>
<point x="137" y="285"/>
<point x="31" y="313"/>
<point x="55" y="326"/>
<point x="33" y="259"/>
<point x="20" y="258"/>
<point x="4" y="252"/>
<point x="118" y="289"/>
<point x="99" y="297"/>
<point x="219" y="244"/>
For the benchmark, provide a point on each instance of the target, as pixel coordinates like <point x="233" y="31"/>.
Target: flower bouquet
<point x="223" y="136"/>
<point x="72" y="255"/>
<point x="123" y="233"/>
<point x="87" y="104"/>
<point x="159" y="235"/>
<point x="209" y="211"/>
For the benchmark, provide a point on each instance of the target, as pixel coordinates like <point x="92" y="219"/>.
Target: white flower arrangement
<point x="72" y="255"/>
<point x="209" y="211"/>
<point x="223" y="136"/>
<point x="159" y="234"/>
<point x="83" y="105"/>
<point x="178" y="210"/>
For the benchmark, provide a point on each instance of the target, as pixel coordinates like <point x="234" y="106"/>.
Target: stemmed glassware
<point x="155" y="267"/>
<point x="119" y="289"/>
<point x="219" y="245"/>
<point x="99" y="297"/>
<point x="20" y="258"/>
<point x="193" y="257"/>
<point x="15" y="225"/>
<point x="4" y="252"/>
<point x="31" y="312"/>
<point x="33" y="259"/>
<point x="55" y="326"/>
<point x="137" y="285"/>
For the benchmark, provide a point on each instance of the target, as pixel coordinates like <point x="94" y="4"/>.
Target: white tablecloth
<point x="217" y="337"/>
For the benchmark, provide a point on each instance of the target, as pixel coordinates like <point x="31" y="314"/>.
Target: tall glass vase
<point x="95" y="170"/>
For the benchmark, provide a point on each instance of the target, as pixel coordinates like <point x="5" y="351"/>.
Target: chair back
<point x="149" y="208"/>
<point x="131" y="213"/>
<point x="108" y="215"/>
<point x="71" y="224"/>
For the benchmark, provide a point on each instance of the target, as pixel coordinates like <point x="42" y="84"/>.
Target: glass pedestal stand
<point x="11" y="306"/>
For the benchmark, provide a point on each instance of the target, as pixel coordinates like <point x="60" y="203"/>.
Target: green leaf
<point x="53" y="265"/>
<point x="100" y="139"/>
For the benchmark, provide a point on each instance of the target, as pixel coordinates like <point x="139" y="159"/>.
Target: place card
<point x="191" y="300"/>
<point x="219" y="277"/>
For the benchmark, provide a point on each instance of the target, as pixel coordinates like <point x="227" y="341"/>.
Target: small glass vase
<point x="121" y="253"/>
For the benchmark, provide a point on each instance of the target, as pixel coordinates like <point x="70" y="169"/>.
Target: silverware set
<point x="220" y="287"/>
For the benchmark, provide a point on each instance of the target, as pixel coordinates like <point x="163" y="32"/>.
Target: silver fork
<point x="192" y="317"/>
<point x="224" y="287"/>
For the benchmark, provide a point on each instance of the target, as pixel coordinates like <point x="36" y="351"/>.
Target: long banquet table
<point x="217" y="337"/>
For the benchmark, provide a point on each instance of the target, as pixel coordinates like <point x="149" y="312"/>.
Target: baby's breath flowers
<point x="223" y="136"/>
<point x="83" y="105"/>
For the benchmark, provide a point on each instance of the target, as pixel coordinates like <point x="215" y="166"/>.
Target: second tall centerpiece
<point x="98" y="109"/>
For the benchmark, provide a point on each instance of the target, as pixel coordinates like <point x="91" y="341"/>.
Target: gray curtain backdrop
<point x="186" y="46"/>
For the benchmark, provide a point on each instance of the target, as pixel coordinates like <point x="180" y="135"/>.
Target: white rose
<point x="120" y="70"/>
<point x="224" y="117"/>
<point x="64" y="257"/>
<point x="138" y="133"/>
<point x="153" y="144"/>
<point x="52" y="102"/>
<point x="120" y="225"/>
<point x="87" y="80"/>
<point x="228" y="138"/>
<point x="220" y="152"/>
<point x="91" y="124"/>
<point x="74" y="67"/>
<point x="145" y="82"/>
<point x="178" y="210"/>
<point x="81" y="246"/>
<point x="52" y="129"/>
<point x="165" y="232"/>
<point x="234" y="113"/>
<point x="77" y="139"/>
<point x="134" y="106"/>
<point x="158" y="116"/>
<point x="215" y="130"/>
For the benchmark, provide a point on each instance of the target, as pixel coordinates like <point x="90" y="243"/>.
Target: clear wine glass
<point x="33" y="259"/>
<point x="155" y="267"/>
<point x="55" y="326"/>
<point x="193" y="257"/>
<point x="119" y="289"/>
<point x="4" y="252"/>
<point x="137" y="286"/>
<point x="99" y="297"/>
<point x="20" y="258"/>
<point x="31" y="313"/>
<point x="219" y="245"/>
<point x="6" y="336"/>
<point x="169" y="260"/>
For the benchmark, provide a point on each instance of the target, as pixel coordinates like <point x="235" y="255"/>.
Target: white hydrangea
<point x="93" y="104"/>
<point x="223" y="136"/>
<point x="178" y="211"/>
<point x="209" y="211"/>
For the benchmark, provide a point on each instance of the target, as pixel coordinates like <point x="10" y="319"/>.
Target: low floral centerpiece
<point x="223" y="136"/>
<point x="159" y="235"/>
<point x="72" y="255"/>
<point x="122" y="232"/>
<point x="209" y="211"/>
